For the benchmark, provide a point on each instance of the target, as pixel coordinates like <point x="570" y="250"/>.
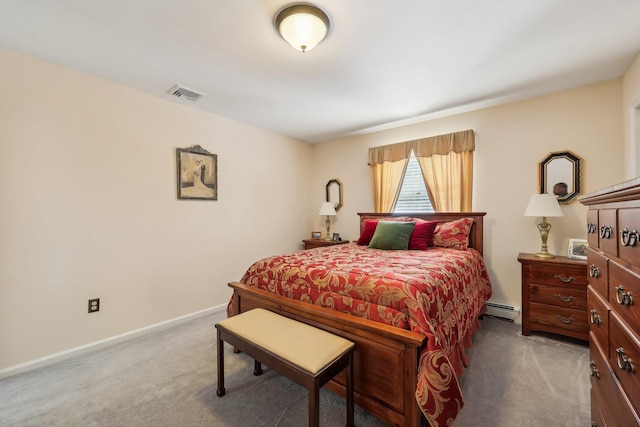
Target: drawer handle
<point x="591" y="228"/>
<point x="624" y="361"/>
<point x="629" y="238"/>
<point x="606" y="231"/>
<point x="564" y="278"/>
<point x="594" y="271"/>
<point x="565" y="298"/>
<point x="595" y="317"/>
<point x="594" y="370"/>
<point x="623" y="297"/>
<point x="566" y="320"/>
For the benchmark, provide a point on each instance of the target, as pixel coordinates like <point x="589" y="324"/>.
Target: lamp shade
<point x="544" y="205"/>
<point x="327" y="209"/>
<point x="303" y="26"/>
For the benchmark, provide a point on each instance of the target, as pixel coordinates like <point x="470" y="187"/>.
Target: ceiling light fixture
<point x="303" y="26"/>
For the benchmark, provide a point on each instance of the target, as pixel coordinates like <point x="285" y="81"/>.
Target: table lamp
<point x="544" y="205"/>
<point x="328" y="210"/>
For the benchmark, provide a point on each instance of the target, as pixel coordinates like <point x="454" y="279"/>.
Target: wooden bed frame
<point x="385" y="359"/>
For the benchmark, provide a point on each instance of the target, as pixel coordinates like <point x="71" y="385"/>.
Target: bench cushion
<point x="305" y="346"/>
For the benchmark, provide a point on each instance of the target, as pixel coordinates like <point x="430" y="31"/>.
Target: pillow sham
<point x="365" y="237"/>
<point x="422" y="235"/>
<point x="453" y="234"/>
<point x="393" y="235"/>
<point x="367" y="231"/>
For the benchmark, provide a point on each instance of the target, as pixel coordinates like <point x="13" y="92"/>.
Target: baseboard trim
<point x="67" y="354"/>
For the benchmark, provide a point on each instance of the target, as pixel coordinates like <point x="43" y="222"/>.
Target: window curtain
<point x="387" y="177"/>
<point x="447" y="167"/>
<point x="388" y="164"/>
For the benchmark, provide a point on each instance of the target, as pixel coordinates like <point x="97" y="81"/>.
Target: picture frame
<point x="577" y="249"/>
<point x="197" y="174"/>
<point x="316" y="235"/>
<point x="336" y="237"/>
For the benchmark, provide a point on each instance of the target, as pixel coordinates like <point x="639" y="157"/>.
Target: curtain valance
<point x="457" y="142"/>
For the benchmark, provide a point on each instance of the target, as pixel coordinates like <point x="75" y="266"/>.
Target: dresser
<point x="554" y="296"/>
<point x="613" y="301"/>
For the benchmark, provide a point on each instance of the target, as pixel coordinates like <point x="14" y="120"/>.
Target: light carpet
<point x="168" y="378"/>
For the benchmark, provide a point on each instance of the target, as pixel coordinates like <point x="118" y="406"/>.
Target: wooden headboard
<point x="475" y="235"/>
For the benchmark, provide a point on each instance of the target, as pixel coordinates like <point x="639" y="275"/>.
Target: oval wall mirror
<point x="560" y="174"/>
<point x="334" y="192"/>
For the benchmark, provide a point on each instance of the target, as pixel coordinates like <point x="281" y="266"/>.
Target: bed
<point x="411" y="313"/>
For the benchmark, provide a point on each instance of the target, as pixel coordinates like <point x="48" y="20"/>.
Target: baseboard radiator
<point x="502" y="311"/>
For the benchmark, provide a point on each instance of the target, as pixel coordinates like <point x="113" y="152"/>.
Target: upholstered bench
<point x="306" y="355"/>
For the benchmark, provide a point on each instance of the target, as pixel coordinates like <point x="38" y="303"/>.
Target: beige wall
<point x="87" y="179"/>
<point x="631" y="119"/>
<point x="89" y="210"/>
<point x="510" y="141"/>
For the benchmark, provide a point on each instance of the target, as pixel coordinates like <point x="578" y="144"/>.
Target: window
<point x="447" y="166"/>
<point x="413" y="196"/>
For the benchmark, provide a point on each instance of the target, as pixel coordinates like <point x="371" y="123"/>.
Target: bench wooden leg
<point x="257" y="368"/>
<point x="314" y="406"/>
<point x="220" y="346"/>
<point x="349" y="391"/>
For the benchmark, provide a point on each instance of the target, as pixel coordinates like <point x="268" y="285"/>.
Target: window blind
<point x="413" y="196"/>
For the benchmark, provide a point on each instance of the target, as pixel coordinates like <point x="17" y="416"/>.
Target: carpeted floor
<point x="168" y="378"/>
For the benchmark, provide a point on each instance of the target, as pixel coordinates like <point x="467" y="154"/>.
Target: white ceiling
<point x="384" y="63"/>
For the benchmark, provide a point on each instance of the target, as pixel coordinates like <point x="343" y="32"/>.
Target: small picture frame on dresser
<point x="316" y="235"/>
<point x="577" y="249"/>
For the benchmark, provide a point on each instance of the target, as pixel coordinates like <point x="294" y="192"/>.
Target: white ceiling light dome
<point x="303" y="26"/>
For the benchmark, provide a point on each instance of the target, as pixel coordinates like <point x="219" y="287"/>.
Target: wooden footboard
<point x="386" y="358"/>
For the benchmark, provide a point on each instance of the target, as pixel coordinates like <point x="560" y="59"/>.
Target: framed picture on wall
<point x="197" y="174"/>
<point x="577" y="249"/>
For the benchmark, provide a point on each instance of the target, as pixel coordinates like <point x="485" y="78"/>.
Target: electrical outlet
<point x="94" y="305"/>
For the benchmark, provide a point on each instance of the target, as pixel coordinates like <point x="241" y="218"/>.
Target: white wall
<point x="631" y="119"/>
<point x="89" y="208"/>
<point x="510" y="142"/>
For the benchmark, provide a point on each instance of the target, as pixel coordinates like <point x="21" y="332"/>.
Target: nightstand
<point x="554" y="296"/>
<point x="317" y="243"/>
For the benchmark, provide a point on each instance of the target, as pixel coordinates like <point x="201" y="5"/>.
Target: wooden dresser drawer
<point x="560" y="275"/>
<point x="572" y="322"/>
<point x="608" y="392"/>
<point x="608" y="238"/>
<point x="629" y="227"/>
<point x="624" y="294"/>
<point x="593" y="229"/>
<point x="598" y="272"/>
<point x="624" y="358"/>
<point x="598" y="316"/>
<point x="558" y="296"/>
<point x="597" y="419"/>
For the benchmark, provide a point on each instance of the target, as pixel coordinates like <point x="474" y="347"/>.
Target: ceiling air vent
<point x="184" y="93"/>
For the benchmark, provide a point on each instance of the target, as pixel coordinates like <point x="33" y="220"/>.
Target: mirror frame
<point x="327" y="187"/>
<point x="576" y="173"/>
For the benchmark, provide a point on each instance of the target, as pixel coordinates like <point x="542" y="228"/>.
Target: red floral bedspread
<point x="438" y="292"/>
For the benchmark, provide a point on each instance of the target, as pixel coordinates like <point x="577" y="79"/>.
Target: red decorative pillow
<point x="367" y="231"/>
<point x="422" y="235"/>
<point x="453" y="234"/>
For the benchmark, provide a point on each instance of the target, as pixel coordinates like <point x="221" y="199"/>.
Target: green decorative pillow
<point x="393" y="235"/>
